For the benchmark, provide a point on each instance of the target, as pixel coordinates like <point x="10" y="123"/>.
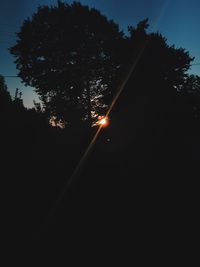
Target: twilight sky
<point x="177" y="20"/>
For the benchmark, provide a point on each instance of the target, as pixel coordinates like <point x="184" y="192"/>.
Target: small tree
<point x="190" y="94"/>
<point x="5" y="98"/>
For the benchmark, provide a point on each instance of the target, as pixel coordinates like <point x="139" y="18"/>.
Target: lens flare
<point x="103" y="121"/>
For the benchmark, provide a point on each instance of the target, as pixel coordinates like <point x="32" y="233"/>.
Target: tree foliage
<point x="159" y="69"/>
<point x="75" y="58"/>
<point x="151" y="116"/>
<point x="68" y="53"/>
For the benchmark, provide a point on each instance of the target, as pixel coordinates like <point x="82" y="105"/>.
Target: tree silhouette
<point x="148" y="114"/>
<point x="5" y="97"/>
<point x="160" y="70"/>
<point x="68" y="53"/>
<point x="5" y="103"/>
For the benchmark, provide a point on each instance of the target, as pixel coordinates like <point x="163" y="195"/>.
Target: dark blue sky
<point x="178" y="20"/>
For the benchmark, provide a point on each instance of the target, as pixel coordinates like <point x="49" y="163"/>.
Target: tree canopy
<point x="75" y="58"/>
<point x="68" y="53"/>
<point x="159" y="69"/>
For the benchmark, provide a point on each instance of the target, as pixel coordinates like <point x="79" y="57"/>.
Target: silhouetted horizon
<point x="179" y="30"/>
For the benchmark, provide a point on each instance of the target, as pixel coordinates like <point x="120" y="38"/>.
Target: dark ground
<point x="120" y="191"/>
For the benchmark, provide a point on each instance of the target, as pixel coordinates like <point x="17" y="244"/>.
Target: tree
<point x="5" y="97"/>
<point x="9" y="108"/>
<point x="160" y="69"/>
<point x="5" y="102"/>
<point x="68" y="53"/>
<point x="148" y="113"/>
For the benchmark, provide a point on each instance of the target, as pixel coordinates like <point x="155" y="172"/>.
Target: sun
<point x="103" y="121"/>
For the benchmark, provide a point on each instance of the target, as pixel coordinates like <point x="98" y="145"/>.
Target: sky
<point x="177" y="20"/>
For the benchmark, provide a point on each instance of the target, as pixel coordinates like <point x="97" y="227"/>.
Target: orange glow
<point x="103" y="121"/>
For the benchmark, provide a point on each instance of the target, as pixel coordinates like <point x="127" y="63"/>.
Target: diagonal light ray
<point x="92" y="143"/>
<point x="76" y="171"/>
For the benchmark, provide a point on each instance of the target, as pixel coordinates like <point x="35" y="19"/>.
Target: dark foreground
<point x="119" y="192"/>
